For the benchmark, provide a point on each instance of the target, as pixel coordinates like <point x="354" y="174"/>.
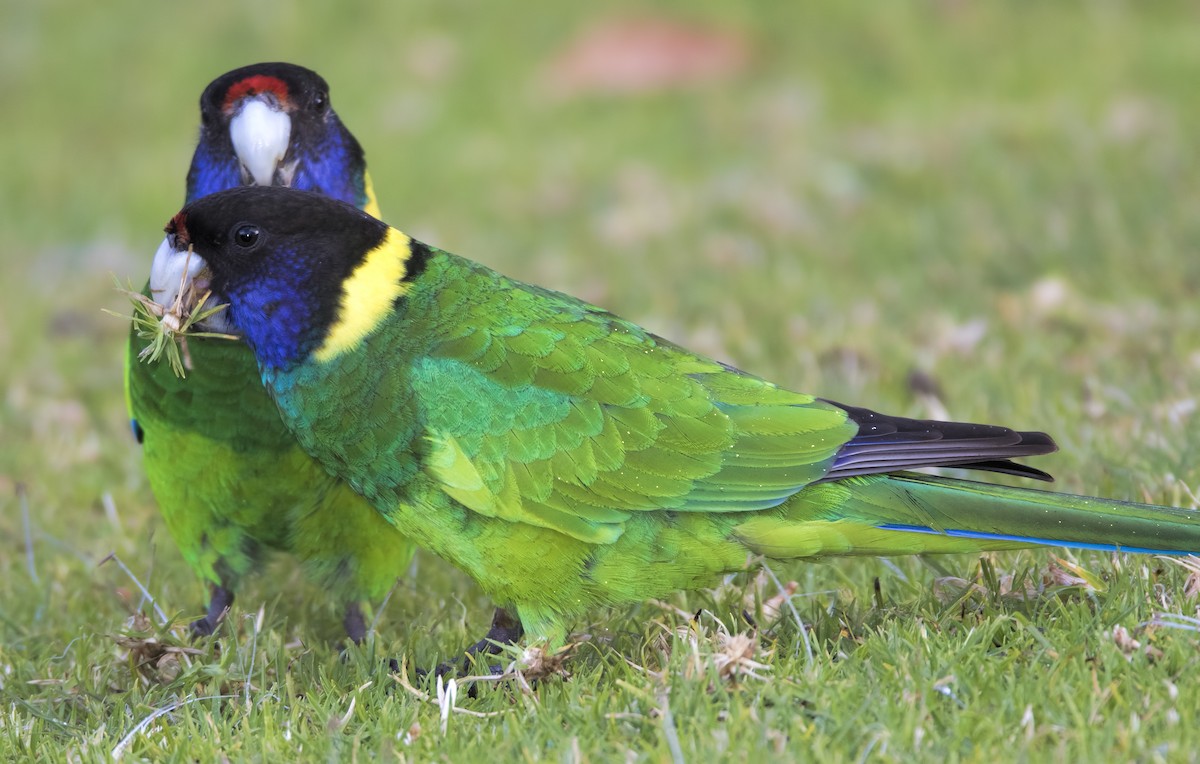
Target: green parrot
<point x="566" y="458"/>
<point x="230" y="479"/>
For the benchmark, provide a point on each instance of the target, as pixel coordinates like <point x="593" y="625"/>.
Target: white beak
<point x="175" y="272"/>
<point x="260" y="132"/>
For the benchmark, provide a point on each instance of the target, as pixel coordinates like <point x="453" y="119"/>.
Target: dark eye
<point x="246" y="236"/>
<point x="320" y="101"/>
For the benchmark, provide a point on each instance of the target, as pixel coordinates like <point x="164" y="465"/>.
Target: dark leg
<point x="218" y="605"/>
<point x="355" y="623"/>
<point x="506" y="629"/>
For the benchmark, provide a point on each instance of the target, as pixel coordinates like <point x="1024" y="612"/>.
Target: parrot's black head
<point x="288" y="87"/>
<point x="279" y="257"/>
<point x="273" y="124"/>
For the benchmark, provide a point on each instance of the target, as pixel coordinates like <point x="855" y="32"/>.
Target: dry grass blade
<point x="154" y="655"/>
<point x="1191" y="564"/>
<point x="27" y="524"/>
<point x="119" y="750"/>
<point x="166" y="329"/>
<point x="732" y="655"/>
<point x="401" y="677"/>
<point x="530" y="664"/>
<point x="162" y="617"/>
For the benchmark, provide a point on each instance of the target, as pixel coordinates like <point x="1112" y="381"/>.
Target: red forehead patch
<point x="178" y="228"/>
<point x="252" y="86"/>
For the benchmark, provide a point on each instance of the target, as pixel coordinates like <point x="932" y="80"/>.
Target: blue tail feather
<point x="1032" y="540"/>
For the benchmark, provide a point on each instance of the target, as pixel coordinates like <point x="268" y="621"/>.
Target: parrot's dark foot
<point x="218" y="606"/>
<point x="355" y="623"/>
<point x="506" y="630"/>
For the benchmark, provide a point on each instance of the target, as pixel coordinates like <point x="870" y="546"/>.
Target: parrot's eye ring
<point x="247" y="235"/>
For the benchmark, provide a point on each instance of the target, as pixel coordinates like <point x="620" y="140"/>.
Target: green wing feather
<point x="569" y="418"/>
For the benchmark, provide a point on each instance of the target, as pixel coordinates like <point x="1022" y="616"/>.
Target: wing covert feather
<point x="573" y="419"/>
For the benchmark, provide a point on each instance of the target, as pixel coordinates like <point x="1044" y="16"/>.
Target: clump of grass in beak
<point x="167" y="329"/>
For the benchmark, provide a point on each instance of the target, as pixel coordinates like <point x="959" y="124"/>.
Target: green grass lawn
<point x="1003" y="199"/>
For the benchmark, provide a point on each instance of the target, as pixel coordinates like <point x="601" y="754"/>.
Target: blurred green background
<point x="981" y="210"/>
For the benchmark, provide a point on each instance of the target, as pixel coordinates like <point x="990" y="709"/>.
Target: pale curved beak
<point x="177" y="272"/>
<point x="260" y="132"/>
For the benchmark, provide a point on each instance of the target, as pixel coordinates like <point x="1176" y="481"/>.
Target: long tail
<point x="908" y="513"/>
